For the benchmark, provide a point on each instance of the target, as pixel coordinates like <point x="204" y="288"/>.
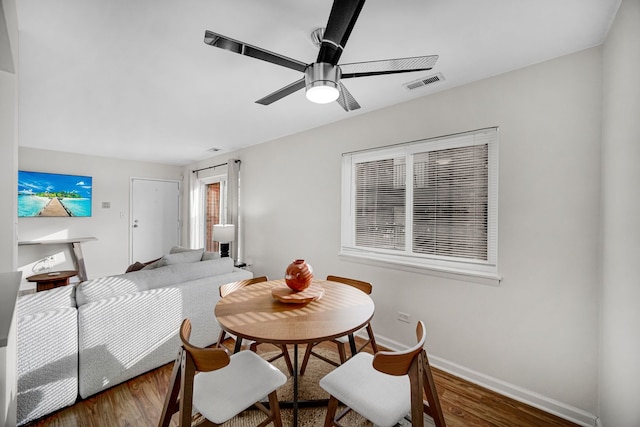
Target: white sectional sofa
<point x="105" y="331"/>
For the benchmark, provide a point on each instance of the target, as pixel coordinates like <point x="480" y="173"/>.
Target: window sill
<point x="484" y="278"/>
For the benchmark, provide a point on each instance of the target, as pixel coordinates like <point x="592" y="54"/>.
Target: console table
<point x="54" y="279"/>
<point x="76" y="253"/>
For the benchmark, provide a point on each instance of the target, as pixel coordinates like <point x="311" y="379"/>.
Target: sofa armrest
<point x="47" y="355"/>
<point x="52" y="299"/>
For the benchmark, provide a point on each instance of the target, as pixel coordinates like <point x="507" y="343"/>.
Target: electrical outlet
<point x="404" y="317"/>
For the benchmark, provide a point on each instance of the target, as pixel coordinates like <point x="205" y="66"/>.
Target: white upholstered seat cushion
<point x="381" y="398"/>
<point x="221" y="394"/>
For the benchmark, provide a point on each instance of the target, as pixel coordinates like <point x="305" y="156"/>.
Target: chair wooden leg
<point x="429" y="386"/>
<point x="275" y="409"/>
<point x="287" y="358"/>
<point x="170" y="406"/>
<point x="203" y="422"/>
<point x="372" y="339"/>
<point x="221" y="338"/>
<point x="416" y="382"/>
<point x="273" y="412"/>
<point x="331" y="412"/>
<point x="305" y="360"/>
<point x="186" y="389"/>
<point x="342" y="353"/>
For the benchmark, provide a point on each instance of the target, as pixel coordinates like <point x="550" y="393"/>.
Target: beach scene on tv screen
<point x="48" y="194"/>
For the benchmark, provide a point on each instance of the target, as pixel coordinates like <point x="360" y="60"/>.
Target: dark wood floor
<point x="138" y="402"/>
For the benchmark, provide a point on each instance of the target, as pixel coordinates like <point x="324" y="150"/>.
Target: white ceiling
<point x="133" y="78"/>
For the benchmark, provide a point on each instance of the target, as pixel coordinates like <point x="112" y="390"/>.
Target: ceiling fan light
<point x="321" y="82"/>
<point x="322" y="92"/>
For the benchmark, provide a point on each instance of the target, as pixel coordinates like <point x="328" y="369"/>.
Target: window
<point x="428" y="204"/>
<point x="213" y="205"/>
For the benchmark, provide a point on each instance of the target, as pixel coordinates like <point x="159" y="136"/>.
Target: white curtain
<point x="195" y="219"/>
<point x="233" y="203"/>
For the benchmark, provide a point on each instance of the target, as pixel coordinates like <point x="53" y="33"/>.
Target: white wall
<point x="620" y="347"/>
<point x="8" y="168"/>
<point x="111" y="183"/>
<point x="8" y="163"/>
<point x="538" y="330"/>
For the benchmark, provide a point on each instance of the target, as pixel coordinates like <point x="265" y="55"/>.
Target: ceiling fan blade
<point x="388" y="66"/>
<point x="281" y="93"/>
<point x="343" y="17"/>
<point x="223" y="42"/>
<point x="346" y="100"/>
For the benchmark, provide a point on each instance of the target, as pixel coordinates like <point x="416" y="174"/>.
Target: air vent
<point x="424" y="81"/>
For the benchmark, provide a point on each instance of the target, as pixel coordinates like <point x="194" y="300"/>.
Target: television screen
<point x="49" y="194"/>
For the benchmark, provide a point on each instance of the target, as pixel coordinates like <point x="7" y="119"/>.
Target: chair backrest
<point x="359" y="284"/>
<point x="204" y="359"/>
<point x="228" y="288"/>
<point x="399" y="362"/>
<point x="414" y="363"/>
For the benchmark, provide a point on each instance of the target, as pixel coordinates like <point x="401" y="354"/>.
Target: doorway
<point x="155" y="218"/>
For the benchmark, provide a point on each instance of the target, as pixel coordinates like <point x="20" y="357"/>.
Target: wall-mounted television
<point x="43" y="194"/>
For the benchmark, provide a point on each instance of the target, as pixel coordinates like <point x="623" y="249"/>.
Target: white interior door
<point x="155" y="218"/>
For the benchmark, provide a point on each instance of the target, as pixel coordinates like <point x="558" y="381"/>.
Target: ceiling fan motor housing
<point x="321" y="82"/>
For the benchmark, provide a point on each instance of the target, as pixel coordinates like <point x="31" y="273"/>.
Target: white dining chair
<point x="386" y="387"/>
<point x="219" y="386"/>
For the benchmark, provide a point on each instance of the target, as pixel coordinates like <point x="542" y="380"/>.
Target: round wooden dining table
<point x="253" y="313"/>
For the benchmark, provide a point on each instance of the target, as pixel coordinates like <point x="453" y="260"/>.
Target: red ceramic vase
<point x="298" y="275"/>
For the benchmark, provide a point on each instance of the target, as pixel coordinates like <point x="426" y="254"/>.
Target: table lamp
<point x="224" y="234"/>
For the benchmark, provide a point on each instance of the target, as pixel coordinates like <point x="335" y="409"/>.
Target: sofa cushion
<point x="181" y="257"/>
<point x="140" y="265"/>
<point x="137" y="281"/>
<point x="176" y="255"/>
<point x="185" y="272"/>
<point x="154" y="264"/>
<point x="206" y="255"/>
<point x="179" y="249"/>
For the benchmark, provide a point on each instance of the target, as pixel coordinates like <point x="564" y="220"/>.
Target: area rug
<point x="308" y="388"/>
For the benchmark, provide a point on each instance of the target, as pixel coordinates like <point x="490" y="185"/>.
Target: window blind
<point x="380" y="203"/>
<point x="450" y="202"/>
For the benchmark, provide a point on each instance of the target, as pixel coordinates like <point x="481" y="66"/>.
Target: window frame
<point x="459" y="268"/>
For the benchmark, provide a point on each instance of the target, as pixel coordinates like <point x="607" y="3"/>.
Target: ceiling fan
<point x="322" y="79"/>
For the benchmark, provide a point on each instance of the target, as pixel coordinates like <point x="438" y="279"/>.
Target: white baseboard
<point x="552" y="406"/>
